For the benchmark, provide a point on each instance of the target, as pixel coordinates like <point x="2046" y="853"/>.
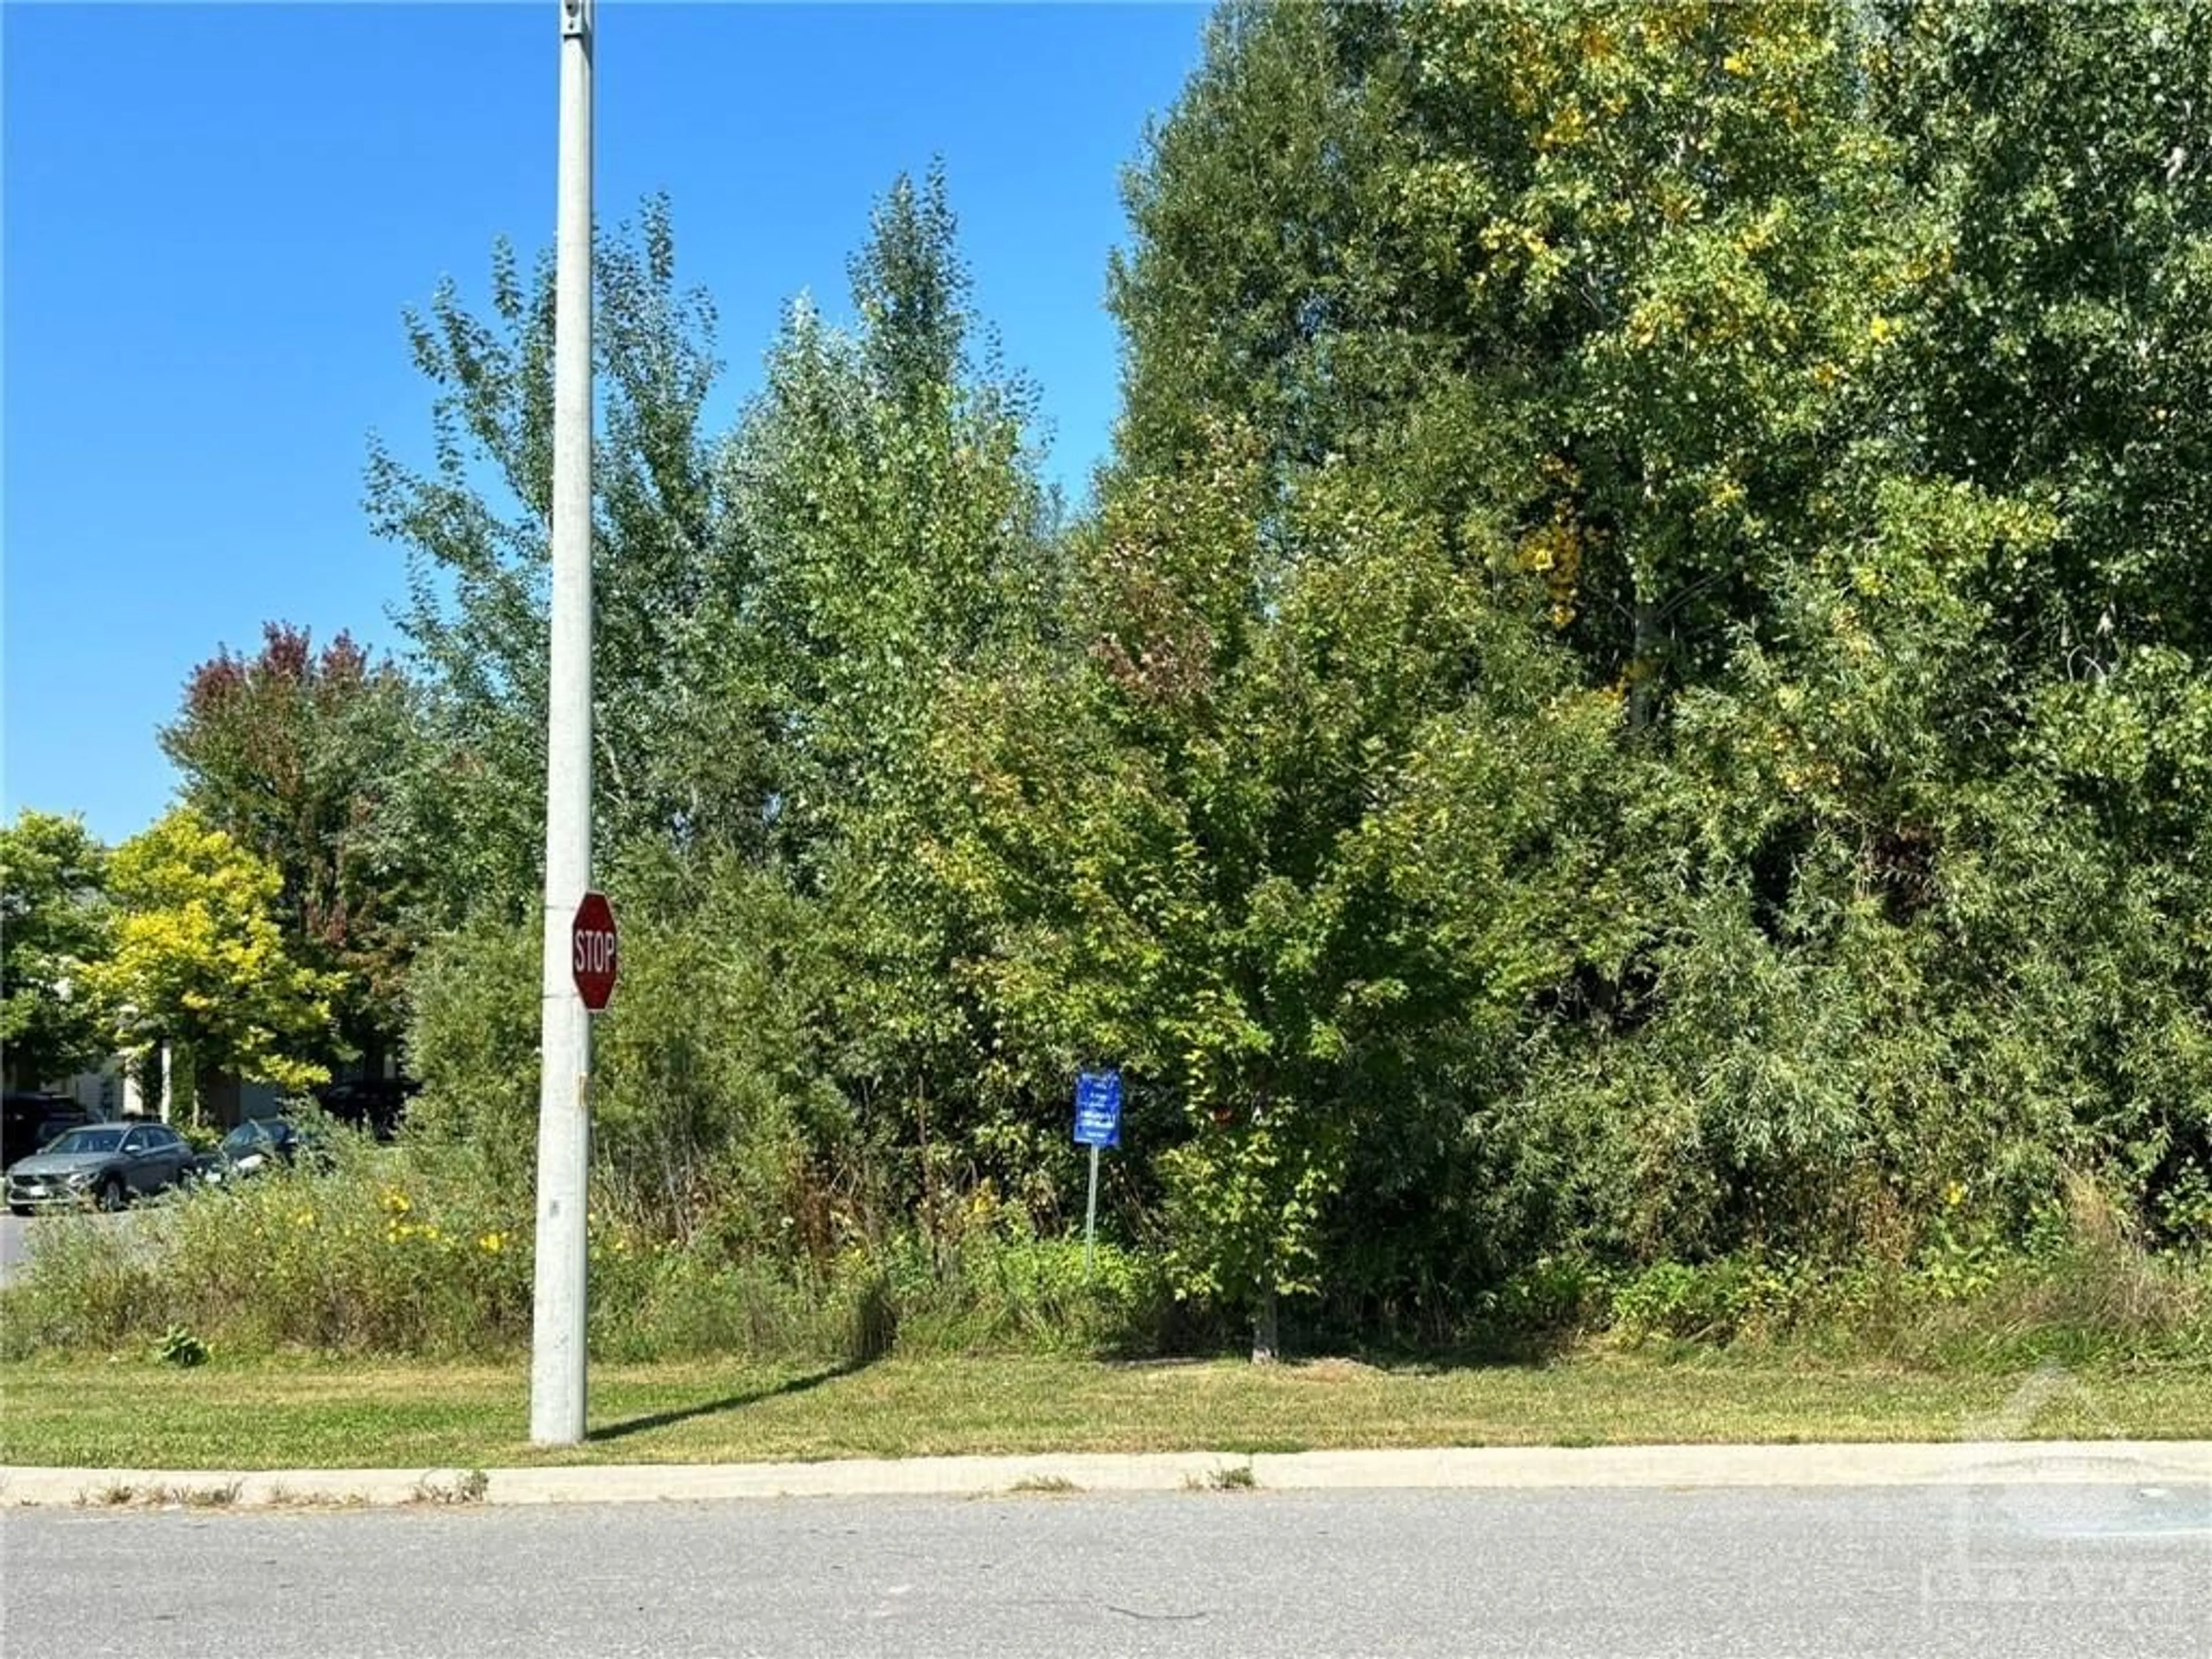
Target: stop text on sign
<point x="594" y="951"/>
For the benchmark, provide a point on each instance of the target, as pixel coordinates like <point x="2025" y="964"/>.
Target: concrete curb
<point x="1950" y="1463"/>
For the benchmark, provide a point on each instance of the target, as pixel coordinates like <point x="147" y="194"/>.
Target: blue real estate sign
<point x="1098" y="1109"/>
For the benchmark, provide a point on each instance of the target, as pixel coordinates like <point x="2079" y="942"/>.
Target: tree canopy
<point x="300" y="757"/>
<point x="1634" y="690"/>
<point x="199" y="959"/>
<point x="54" y="925"/>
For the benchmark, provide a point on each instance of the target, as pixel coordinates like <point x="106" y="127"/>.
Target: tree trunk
<point x="1265" y="1341"/>
<point x="1643" y="667"/>
<point x="208" y="1082"/>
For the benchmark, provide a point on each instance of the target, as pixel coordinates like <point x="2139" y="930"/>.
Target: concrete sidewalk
<point x="1950" y="1463"/>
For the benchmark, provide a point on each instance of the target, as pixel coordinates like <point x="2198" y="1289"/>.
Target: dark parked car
<point x="28" y="1122"/>
<point x="103" y="1163"/>
<point x="376" y="1104"/>
<point x="254" y="1145"/>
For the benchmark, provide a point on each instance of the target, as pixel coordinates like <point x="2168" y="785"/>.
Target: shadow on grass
<point x="728" y="1403"/>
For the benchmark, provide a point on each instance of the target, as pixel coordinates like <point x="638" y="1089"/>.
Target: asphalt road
<point x="2051" y="1572"/>
<point x="16" y="1233"/>
<point x="15" y="1239"/>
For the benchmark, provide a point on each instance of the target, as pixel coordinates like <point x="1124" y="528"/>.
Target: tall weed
<point x="421" y="1248"/>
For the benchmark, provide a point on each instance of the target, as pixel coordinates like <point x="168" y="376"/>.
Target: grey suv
<point x="103" y="1163"/>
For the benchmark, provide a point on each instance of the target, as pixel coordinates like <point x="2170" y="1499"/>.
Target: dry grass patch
<point x="1330" y="1370"/>
<point x="153" y="1496"/>
<point x="1043" y="1486"/>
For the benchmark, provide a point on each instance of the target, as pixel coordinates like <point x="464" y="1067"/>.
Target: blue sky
<point x="213" y="217"/>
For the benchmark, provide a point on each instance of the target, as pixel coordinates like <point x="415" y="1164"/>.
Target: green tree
<point x="199" y="957"/>
<point x="871" y="525"/>
<point x="1211" y="852"/>
<point x="53" y="930"/>
<point x="1634" y="690"/>
<point x="2062" y="348"/>
<point x="889" y="477"/>
<point x="679" y="723"/>
<point x="1532" y="310"/>
<point x="1606" y="280"/>
<point x="1690" y="322"/>
<point x="1902" y="959"/>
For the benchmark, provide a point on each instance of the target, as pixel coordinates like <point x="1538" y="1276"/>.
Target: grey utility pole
<point x="564" y="1129"/>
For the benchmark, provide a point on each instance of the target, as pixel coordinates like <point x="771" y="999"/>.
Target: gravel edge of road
<point x="1973" y="1463"/>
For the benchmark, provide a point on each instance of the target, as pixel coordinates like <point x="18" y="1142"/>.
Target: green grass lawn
<point x="342" y="1414"/>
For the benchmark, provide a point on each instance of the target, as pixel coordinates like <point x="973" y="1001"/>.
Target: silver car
<point x="107" y="1164"/>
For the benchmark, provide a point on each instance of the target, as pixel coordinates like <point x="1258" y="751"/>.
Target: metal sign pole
<point x="1091" y="1214"/>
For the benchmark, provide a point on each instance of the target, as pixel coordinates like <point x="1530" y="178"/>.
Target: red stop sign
<point x="592" y="954"/>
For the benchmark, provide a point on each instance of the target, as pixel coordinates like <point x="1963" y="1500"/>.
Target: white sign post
<point x="564" y="1132"/>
